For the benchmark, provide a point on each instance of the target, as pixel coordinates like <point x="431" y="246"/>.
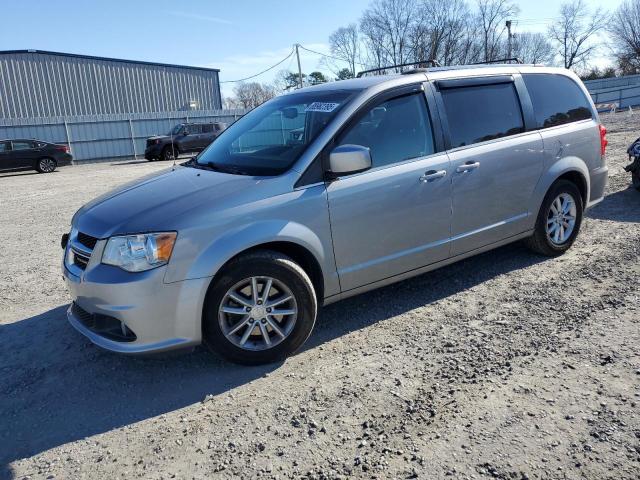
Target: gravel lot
<point x="506" y="365"/>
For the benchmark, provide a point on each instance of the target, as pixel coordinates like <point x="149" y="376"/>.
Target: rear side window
<point x="481" y="113"/>
<point x="21" y="145"/>
<point x="207" y="128"/>
<point x="556" y="100"/>
<point x="395" y="130"/>
<point x="4" y="147"/>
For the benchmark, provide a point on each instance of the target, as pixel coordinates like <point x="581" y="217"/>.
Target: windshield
<point x="176" y="130"/>
<point x="269" y="139"/>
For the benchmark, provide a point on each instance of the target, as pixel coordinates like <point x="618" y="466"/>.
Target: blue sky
<point x="240" y="37"/>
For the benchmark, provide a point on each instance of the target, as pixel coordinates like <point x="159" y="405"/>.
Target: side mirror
<point x="347" y="159"/>
<point x="185" y="133"/>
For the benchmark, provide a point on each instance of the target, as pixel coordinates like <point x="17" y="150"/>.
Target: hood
<point x="161" y="201"/>
<point x="158" y="137"/>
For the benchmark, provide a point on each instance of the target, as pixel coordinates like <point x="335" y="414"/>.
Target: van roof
<point x="435" y="73"/>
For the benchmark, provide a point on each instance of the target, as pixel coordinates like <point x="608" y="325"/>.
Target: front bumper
<point x="162" y="316"/>
<point x="152" y="152"/>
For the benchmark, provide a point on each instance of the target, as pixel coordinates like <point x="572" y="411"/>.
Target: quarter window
<point x="395" y="130"/>
<point x="4" y="146"/>
<point x="481" y="113"/>
<point x="207" y="127"/>
<point x="556" y="99"/>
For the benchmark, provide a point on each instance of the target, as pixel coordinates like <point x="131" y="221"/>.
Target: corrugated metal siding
<point x="607" y="83"/>
<point x="95" y="137"/>
<point x="47" y="85"/>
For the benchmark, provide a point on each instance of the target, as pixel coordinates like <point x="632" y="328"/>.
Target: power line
<point x="260" y="73"/>
<point x="328" y="56"/>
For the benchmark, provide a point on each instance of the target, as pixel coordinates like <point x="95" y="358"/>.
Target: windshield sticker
<point x="321" y="107"/>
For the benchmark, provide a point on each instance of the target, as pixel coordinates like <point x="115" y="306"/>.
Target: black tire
<point x="263" y="263"/>
<point x="46" y="165"/>
<point x="635" y="179"/>
<point x="540" y="242"/>
<point x="169" y="153"/>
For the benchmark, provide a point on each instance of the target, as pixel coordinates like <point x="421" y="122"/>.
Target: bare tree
<point x="440" y="30"/>
<point x="387" y="26"/>
<point x="533" y="48"/>
<point x="345" y="45"/>
<point x="492" y="15"/>
<point x="253" y="94"/>
<point x="575" y="32"/>
<point x="625" y="33"/>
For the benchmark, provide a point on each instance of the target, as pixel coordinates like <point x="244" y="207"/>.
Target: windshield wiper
<point x="226" y="169"/>
<point x="193" y="163"/>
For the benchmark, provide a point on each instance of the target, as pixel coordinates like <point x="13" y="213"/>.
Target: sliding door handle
<point x="467" y="167"/>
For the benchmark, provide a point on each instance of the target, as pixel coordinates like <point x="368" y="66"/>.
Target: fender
<point x="235" y="241"/>
<point x="555" y="171"/>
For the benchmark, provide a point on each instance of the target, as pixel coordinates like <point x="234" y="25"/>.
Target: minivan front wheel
<point x="558" y="221"/>
<point x="260" y="309"/>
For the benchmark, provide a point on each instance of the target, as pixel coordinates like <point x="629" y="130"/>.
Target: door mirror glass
<point x="348" y="158"/>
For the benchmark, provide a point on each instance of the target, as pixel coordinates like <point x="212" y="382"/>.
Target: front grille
<point x="87" y="240"/>
<point x="80" y="260"/>
<point x="103" y="325"/>
<point x="81" y="314"/>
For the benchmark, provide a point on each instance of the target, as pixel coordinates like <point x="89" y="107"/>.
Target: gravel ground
<point x="506" y="365"/>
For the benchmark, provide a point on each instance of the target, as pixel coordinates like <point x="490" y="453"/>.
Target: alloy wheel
<point x="561" y="219"/>
<point x="47" y="165"/>
<point x="258" y="313"/>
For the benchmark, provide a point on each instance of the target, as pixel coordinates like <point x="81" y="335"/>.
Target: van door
<point x="495" y="160"/>
<point x="394" y="217"/>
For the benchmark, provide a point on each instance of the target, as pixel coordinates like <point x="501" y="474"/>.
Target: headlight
<point x="137" y="253"/>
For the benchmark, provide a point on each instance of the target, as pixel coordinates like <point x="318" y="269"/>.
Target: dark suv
<point x="23" y="154"/>
<point x="183" y="138"/>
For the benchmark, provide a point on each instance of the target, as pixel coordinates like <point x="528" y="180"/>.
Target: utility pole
<point x="299" y="68"/>
<point x="509" y="37"/>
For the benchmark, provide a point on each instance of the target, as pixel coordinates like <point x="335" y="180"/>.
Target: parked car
<point x="183" y="138"/>
<point x="393" y="176"/>
<point x="22" y="154"/>
<point x="634" y="167"/>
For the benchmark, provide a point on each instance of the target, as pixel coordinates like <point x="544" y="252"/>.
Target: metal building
<point x="36" y="83"/>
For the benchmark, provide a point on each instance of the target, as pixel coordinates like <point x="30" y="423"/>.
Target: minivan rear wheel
<point x="260" y="309"/>
<point x="558" y="221"/>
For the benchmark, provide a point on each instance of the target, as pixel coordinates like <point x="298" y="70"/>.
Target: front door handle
<point x="467" y="167"/>
<point x="432" y="175"/>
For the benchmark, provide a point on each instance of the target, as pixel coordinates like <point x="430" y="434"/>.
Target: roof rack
<point x="499" y="60"/>
<point x="421" y="63"/>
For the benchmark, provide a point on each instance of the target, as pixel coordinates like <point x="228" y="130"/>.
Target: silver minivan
<point x="328" y="192"/>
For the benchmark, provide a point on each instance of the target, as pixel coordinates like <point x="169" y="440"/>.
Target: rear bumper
<point x="160" y="316"/>
<point x="64" y="160"/>
<point x="598" y="179"/>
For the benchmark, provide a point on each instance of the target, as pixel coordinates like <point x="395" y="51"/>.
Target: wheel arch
<point x="572" y="169"/>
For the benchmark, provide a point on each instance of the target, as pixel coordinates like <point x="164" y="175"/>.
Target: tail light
<point x="603" y="139"/>
<point x="62" y="148"/>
